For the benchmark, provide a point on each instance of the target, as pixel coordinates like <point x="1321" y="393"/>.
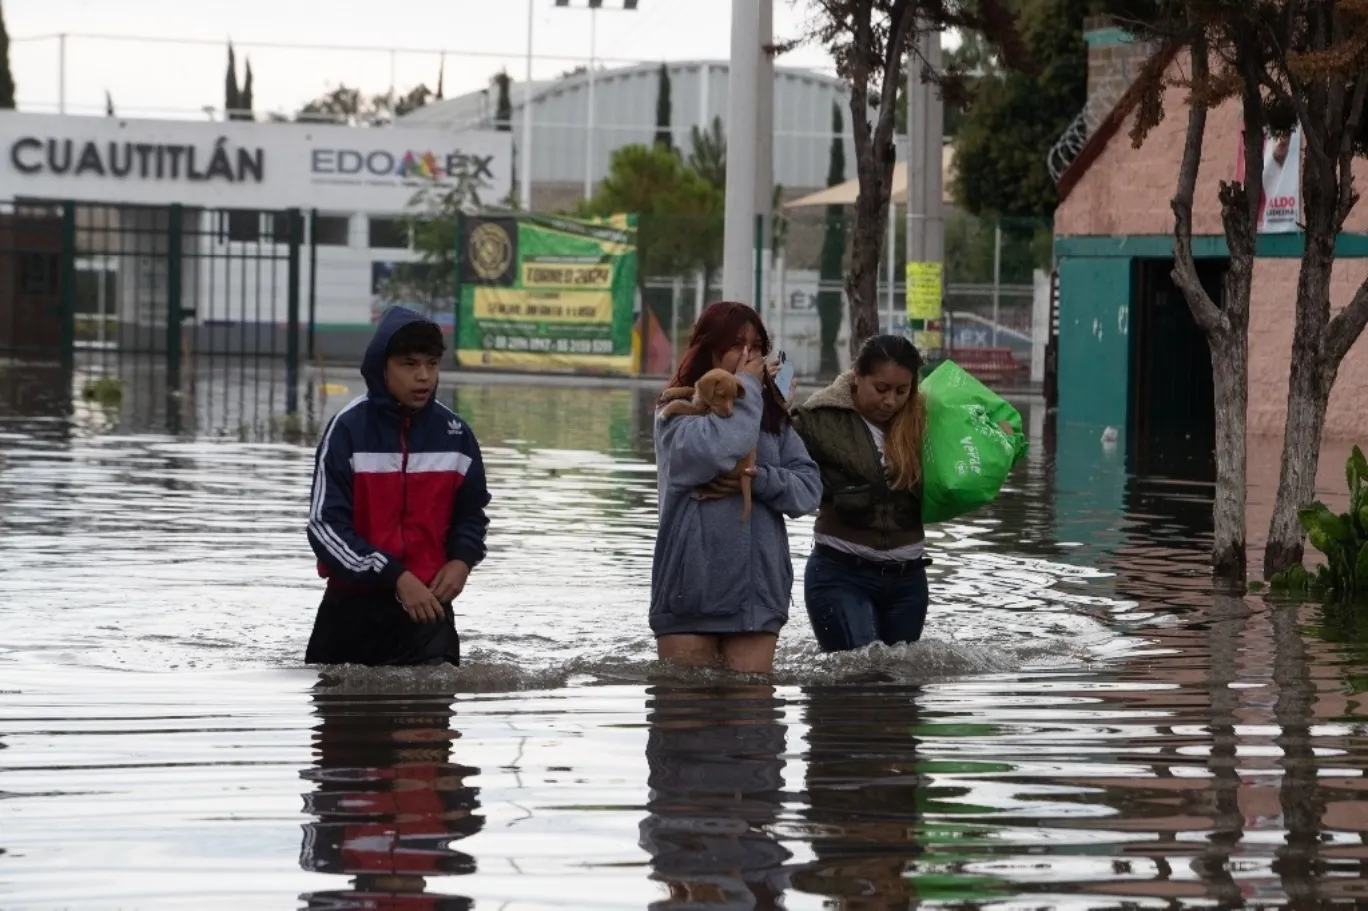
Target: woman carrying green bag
<point x="866" y="577"/>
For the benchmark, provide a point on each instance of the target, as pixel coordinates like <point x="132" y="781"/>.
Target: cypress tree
<point x="245" y="97"/>
<point x="503" y="105"/>
<point x="231" y="99"/>
<point x="6" y="78"/>
<point x="663" y="135"/>
<point x="829" y="307"/>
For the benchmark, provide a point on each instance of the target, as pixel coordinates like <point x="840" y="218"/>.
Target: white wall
<point x="208" y="167"/>
<point x="244" y="165"/>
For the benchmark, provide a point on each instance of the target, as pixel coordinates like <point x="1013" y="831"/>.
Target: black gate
<point x="188" y="318"/>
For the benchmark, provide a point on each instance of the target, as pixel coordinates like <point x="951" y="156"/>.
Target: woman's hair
<point x="717" y="329"/>
<point x="903" y="442"/>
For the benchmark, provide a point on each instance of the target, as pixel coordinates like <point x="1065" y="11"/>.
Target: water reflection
<point x="863" y="792"/>
<point x="716" y="759"/>
<point x="388" y="801"/>
<point x="885" y="821"/>
<point x="1090" y="725"/>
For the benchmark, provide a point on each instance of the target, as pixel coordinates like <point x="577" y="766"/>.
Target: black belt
<point x="883" y="567"/>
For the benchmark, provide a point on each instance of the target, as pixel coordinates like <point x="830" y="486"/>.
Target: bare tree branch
<point x="900" y="24"/>
<point x="1253" y="137"/>
<point x="859" y="83"/>
<point x="1204" y="311"/>
<point x="1347" y="325"/>
<point x="1348" y="196"/>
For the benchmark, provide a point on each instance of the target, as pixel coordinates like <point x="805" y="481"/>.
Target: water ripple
<point x="1086" y="724"/>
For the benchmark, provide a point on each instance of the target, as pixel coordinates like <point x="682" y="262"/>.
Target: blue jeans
<point x="852" y="606"/>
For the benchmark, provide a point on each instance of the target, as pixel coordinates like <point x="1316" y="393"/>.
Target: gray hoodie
<point x="711" y="574"/>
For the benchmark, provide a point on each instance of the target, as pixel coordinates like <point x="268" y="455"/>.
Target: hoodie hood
<point x="373" y="364"/>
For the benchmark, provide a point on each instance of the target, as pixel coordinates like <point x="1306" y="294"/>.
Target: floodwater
<point x="1085" y="724"/>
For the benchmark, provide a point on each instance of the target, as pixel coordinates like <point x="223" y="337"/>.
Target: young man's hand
<point x="419" y="603"/>
<point x="450" y="581"/>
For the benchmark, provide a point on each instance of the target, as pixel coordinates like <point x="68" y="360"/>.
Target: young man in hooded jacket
<point x="397" y="516"/>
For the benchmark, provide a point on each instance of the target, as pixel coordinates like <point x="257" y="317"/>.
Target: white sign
<point x="1280" y="206"/>
<point x="243" y="165"/>
<point x="1280" y="196"/>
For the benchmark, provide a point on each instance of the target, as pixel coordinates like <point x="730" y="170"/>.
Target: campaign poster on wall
<point x="1280" y="199"/>
<point x="547" y="293"/>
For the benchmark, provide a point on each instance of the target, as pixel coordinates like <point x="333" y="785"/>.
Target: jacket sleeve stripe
<point x="344" y="554"/>
<point x="326" y="535"/>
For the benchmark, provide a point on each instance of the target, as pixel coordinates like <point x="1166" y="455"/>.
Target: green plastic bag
<point x="966" y="455"/>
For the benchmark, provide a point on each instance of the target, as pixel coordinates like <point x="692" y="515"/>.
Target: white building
<point x="234" y="180"/>
<point x="624" y="112"/>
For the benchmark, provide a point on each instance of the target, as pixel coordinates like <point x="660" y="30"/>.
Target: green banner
<point x="542" y="292"/>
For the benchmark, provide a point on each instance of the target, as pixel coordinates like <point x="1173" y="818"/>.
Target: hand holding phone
<point x="783" y="380"/>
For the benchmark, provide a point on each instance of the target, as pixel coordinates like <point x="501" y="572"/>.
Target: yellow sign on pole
<point x="924" y="304"/>
<point x="924" y="291"/>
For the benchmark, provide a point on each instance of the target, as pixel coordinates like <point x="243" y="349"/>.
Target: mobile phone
<point x="783" y="380"/>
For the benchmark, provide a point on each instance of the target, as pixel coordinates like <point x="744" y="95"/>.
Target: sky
<point x="167" y="58"/>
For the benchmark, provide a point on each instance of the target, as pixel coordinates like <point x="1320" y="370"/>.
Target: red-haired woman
<point x="720" y="588"/>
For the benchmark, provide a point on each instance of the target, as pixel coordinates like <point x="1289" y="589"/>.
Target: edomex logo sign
<point x="490" y="249"/>
<point x="386" y="167"/>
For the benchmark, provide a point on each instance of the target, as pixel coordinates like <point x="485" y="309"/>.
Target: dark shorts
<point x="373" y="629"/>
<point x="854" y="603"/>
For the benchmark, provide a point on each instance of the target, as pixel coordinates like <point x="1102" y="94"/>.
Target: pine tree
<point x="245" y="98"/>
<point x="503" y="105"/>
<point x="441" y="77"/>
<point x="6" y="78"/>
<point x="231" y="98"/>
<point x="663" y="135"/>
<point x="833" y="252"/>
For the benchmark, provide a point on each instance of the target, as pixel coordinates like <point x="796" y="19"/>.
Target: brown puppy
<point x="716" y="393"/>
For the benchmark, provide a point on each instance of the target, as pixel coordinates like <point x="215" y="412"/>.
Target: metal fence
<point x="154" y="301"/>
<point x="993" y="292"/>
<point x="978" y="318"/>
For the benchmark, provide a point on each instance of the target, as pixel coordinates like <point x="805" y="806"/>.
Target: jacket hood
<point x="373" y="364"/>
<point x="837" y="395"/>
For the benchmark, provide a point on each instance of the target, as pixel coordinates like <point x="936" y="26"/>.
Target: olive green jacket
<point x="857" y="503"/>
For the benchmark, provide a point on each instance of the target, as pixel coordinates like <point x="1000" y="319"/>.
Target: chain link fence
<point x="995" y="291"/>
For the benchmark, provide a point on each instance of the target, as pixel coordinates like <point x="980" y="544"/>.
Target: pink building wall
<point x="1126" y="191"/>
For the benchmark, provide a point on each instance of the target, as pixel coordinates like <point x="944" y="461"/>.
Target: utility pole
<point x="525" y="161"/>
<point x="743" y="153"/>
<point x="925" y="139"/>
<point x="764" y="154"/>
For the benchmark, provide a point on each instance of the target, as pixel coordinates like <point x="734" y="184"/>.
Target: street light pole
<point x="593" y="6"/>
<point x="525" y="164"/>
<point x="589" y="129"/>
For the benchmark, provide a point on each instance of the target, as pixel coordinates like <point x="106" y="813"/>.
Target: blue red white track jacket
<point x="395" y="491"/>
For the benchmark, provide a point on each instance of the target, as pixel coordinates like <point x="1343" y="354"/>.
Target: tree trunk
<point x="875" y="156"/>
<point x="862" y="281"/>
<point x="1308" y="396"/>
<point x="1225" y="325"/>
<point x="1230" y="373"/>
<point x="1313" y="372"/>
